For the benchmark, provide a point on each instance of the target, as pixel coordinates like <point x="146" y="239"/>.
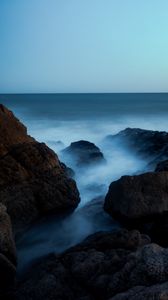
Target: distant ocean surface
<point x="69" y="117"/>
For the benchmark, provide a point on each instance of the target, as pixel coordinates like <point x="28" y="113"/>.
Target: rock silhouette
<point x="84" y="153"/>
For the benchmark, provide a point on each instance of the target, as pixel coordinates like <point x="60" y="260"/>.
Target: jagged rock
<point x="151" y="145"/>
<point x="84" y="153"/>
<point x="68" y="171"/>
<point x="141" y="202"/>
<point x="141" y="197"/>
<point x="162" y="166"/>
<point x="32" y="180"/>
<point x="87" y="270"/>
<point x="34" y="185"/>
<point x="158" y="291"/>
<point x="115" y="270"/>
<point x="12" y="131"/>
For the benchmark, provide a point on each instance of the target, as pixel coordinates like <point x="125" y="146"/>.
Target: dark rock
<point x="141" y="202"/>
<point x="118" y="239"/>
<point x="162" y="166"/>
<point x="12" y="131"/>
<point x="7" y="246"/>
<point x="7" y="251"/>
<point x="148" y="144"/>
<point x="137" y="198"/>
<point x="100" y="267"/>
<point x="33" y="182"/>
<point x="158" y="291"/>
<point x="68" y="171"/>
<point x="7" y="274"/>
<point x="84" y="153"/>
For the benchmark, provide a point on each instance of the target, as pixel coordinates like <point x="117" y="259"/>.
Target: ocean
<point x="69" y="117"/>
<point x="60" y="119"/>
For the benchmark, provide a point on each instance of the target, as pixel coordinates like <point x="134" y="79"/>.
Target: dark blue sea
<point x="67" y="117"/>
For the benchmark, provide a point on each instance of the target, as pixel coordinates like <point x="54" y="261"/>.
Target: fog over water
<point x="59" y="120"/>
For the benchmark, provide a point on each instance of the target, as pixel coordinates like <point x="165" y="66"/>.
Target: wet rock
<point x="141" y="202"/>
<point x="33" y="182"/>
<point x="12" y="131"/>
<point x="101" y="266"/>
<point x="84" y="153"/>
<point x="138" y="198"/>
<point x="162" y="166"/>
<point x="68" y="171"/>
<point x="148" y="144"/>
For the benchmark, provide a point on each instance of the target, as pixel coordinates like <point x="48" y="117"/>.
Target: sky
<point x="83" y="46"/>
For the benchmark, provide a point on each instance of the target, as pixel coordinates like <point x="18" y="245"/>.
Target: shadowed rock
<point x="12" y="131"/>
<point x="7" y="250"/>
<point x="158" y="291"/>
<point x="138" y="197"/>
<point x="33" y="182"/>
<point x="148" y="144"/>
<point x="84" y="153"/>
<point x="109" y="266"/>
<point x="141" y="202"/>
<point x="162" y="166"/>
<point x="98" y="268"/>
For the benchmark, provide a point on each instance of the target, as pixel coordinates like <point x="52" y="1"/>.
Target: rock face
<point x="158" y="291"/>
<point x="162" y="166"/>
<point x="12" y="132"/>
<point x="107" y="266"/>
<point x="84" y="153"/>
<point x="151" y="145"/>
<point x="7" y="251"/>
<point x="140" y="197"/>
<point x="102" y="266"/>
<point x="32" y="179"/>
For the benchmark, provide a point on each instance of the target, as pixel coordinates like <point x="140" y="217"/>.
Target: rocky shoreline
<point x="126" y="263"/>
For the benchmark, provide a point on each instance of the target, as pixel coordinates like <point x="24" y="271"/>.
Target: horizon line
<point x="77" y="93"/>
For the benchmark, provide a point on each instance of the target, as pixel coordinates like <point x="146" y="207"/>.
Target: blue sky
<point x="83" y="46"/>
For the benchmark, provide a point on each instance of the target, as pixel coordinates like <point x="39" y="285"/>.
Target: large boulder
<point x="110" y="266"/>
<point x="138" y="198"/>
<point x="33" y="182"/>
<point x="148" y="144"/>
<point x="84" y="153"/>
<point x="98" y="268"/>
<point x="141" y="202"/>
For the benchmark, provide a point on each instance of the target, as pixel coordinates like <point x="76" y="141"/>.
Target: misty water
<point x="59" y="120"/>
